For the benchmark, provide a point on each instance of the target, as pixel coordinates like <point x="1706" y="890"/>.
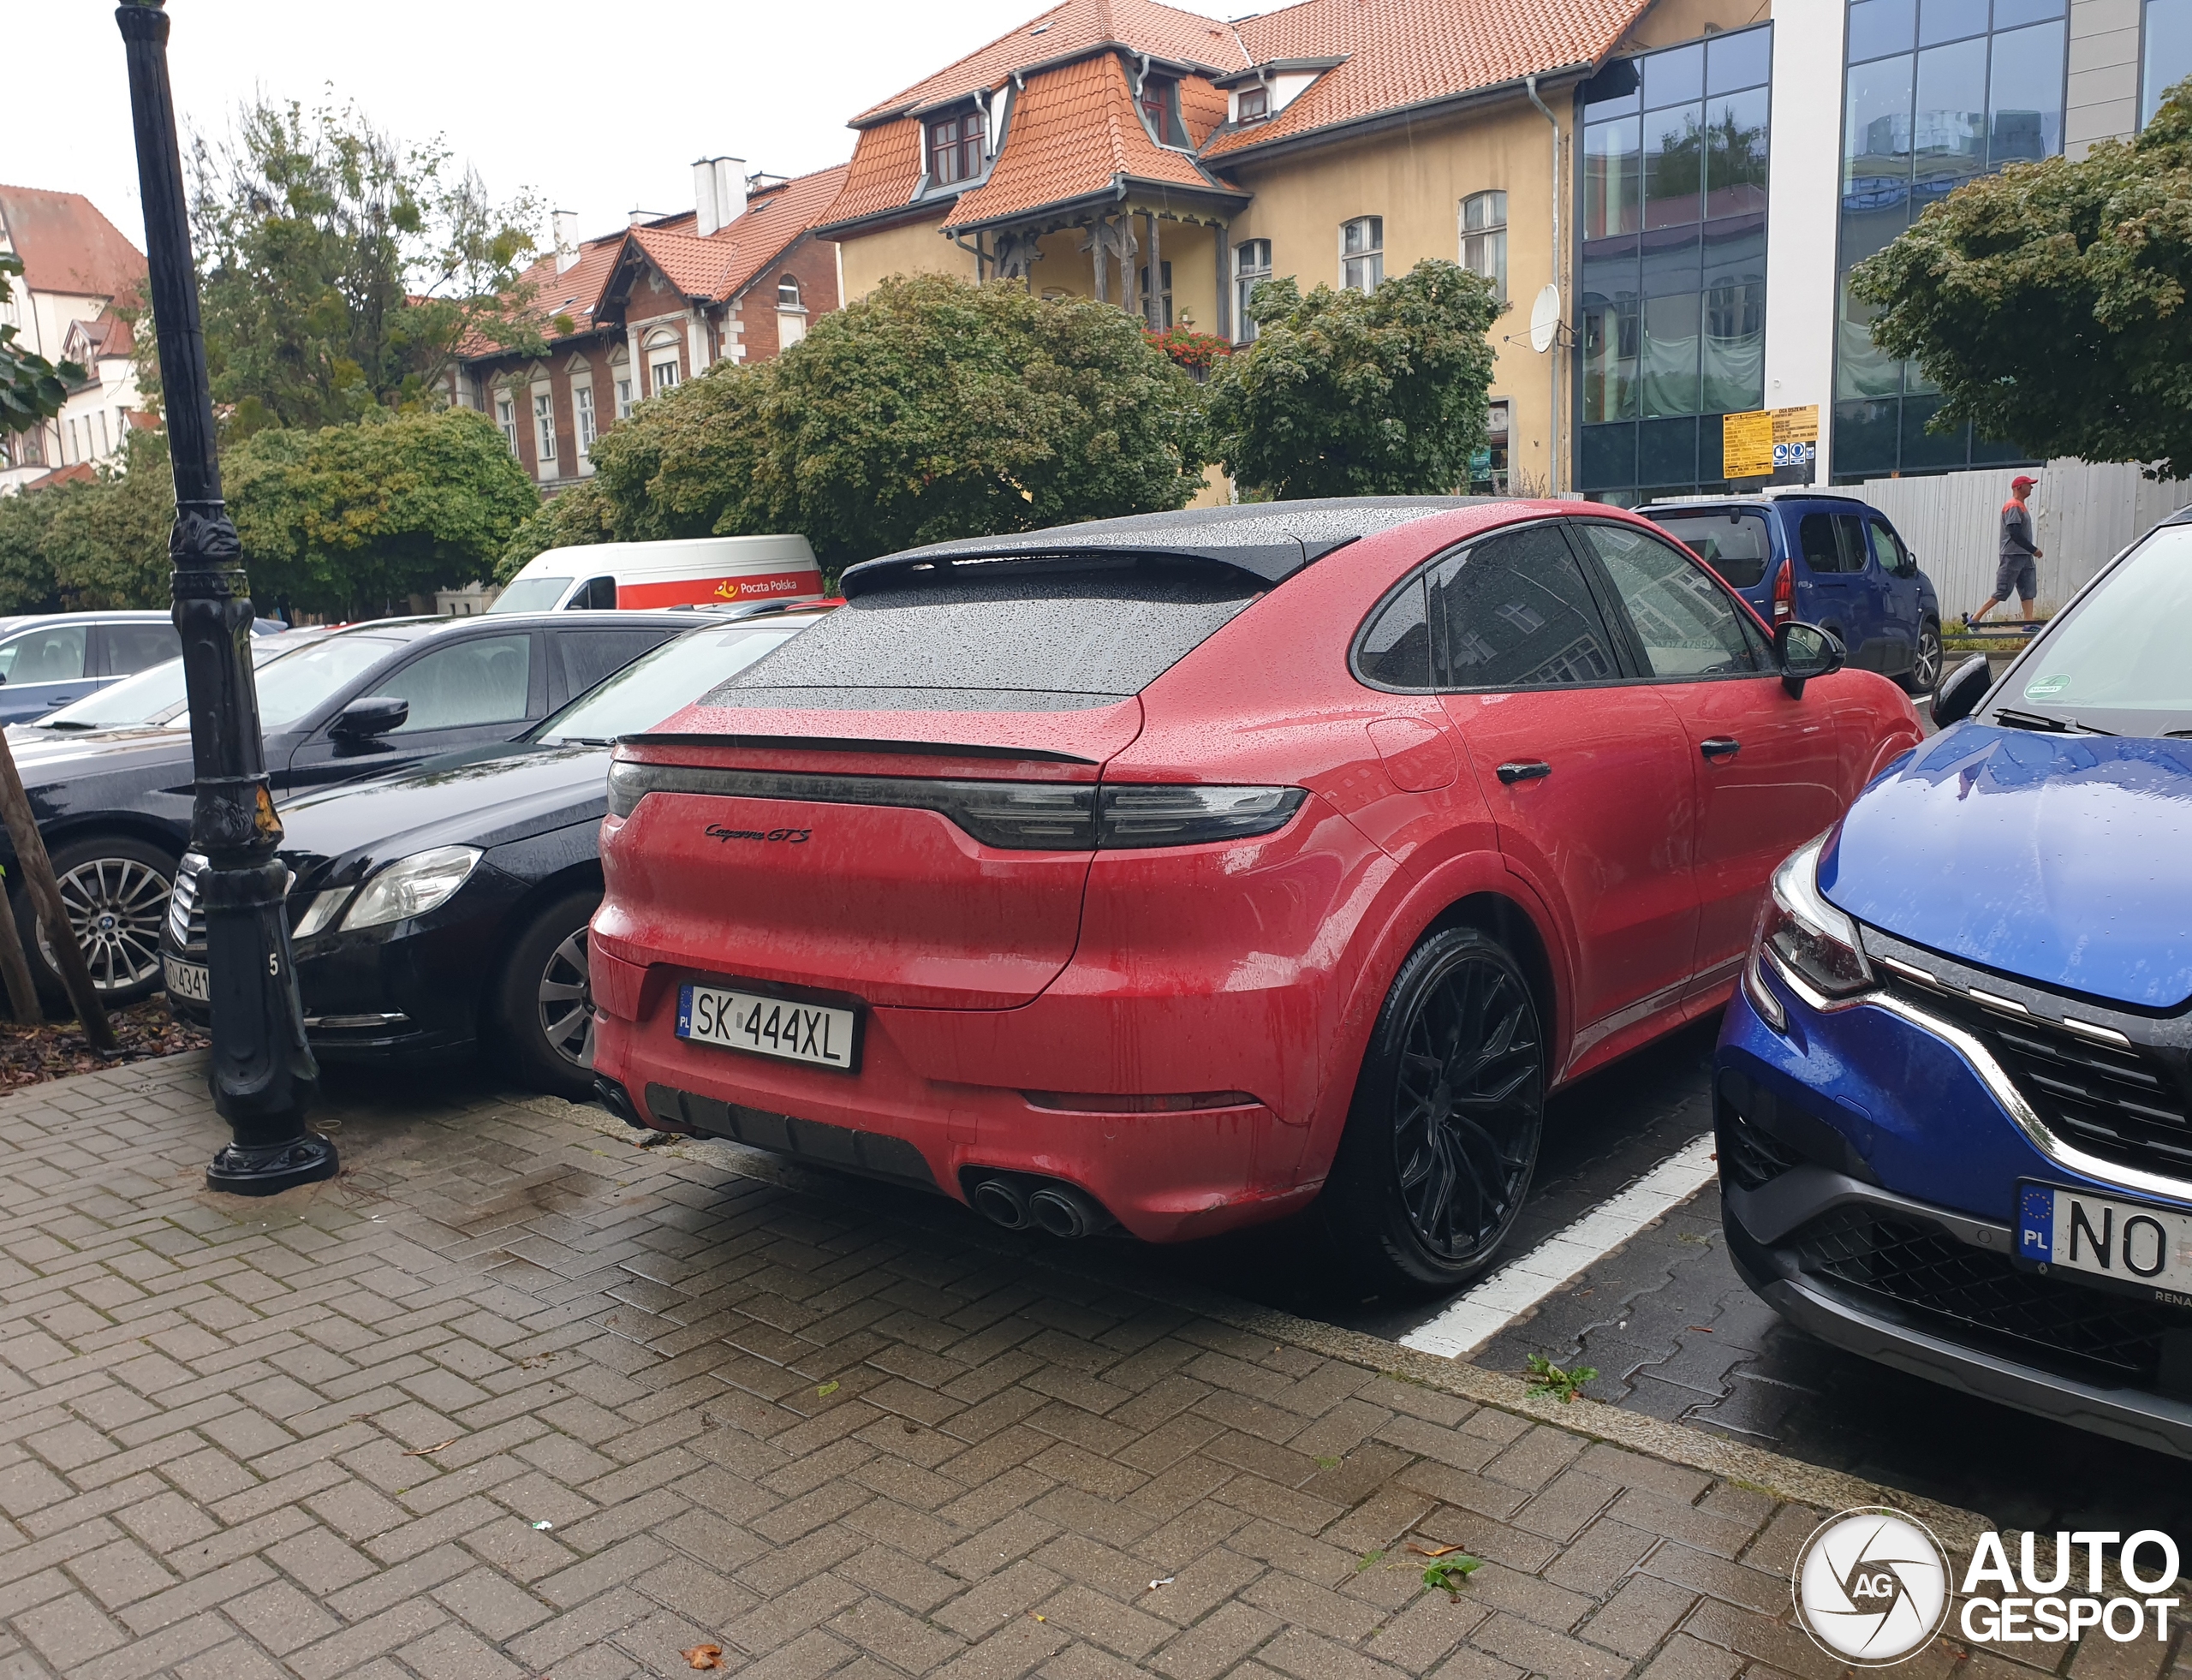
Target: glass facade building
<point x="1934" y="93"/>
<point x="1671" y="264"/>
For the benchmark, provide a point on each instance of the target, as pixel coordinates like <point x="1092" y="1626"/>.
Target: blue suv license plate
<point x="2105" y="1240"/>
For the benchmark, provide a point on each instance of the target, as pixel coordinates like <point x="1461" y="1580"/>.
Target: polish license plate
<point x="2134" y="1244"/>
<point x="814" y="1033"/>
<point x="188" y="980"/>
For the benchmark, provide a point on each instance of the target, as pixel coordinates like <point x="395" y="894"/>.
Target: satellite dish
<point x="1545" y="318"/>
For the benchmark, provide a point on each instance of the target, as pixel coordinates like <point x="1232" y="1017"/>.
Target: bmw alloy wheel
<point x="115" y="907"/>
<point x="1467" y="1108"/>
<point x="566" y="1018"/>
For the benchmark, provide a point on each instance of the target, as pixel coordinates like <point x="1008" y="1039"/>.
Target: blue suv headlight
<point x="1812" y="944"/>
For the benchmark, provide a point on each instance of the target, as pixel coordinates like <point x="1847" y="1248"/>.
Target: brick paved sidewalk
<point x="515" y="1397"/>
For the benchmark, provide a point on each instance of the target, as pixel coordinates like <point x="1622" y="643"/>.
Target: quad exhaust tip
<point x="1017" y="1201"/>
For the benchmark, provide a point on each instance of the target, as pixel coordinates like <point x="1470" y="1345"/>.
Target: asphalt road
<point x="1672" y="1332"/>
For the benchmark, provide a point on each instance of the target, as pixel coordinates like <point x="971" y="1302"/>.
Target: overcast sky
<point x="598" y="107"/>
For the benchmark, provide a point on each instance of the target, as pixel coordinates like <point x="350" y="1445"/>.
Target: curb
<point x="1771" y="1472"/>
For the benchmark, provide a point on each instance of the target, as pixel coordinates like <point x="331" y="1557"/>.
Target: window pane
<point x="1851" y="528"/>
<point x="1612" y="177"/>
<point x="1735" y="154"/>
<point x="1876" y="157"/>
<point x="1686" y="625"/>
<point x="2026" y="109"/>
<point x="1734" y="544"/>
<point x="1666" y="453"/>
<point x="1612" y="336"/>
<point x="1675" y="76"/>
<point x="1513" y="612"/>
<point x="588" y="656"/>
<point x="1674" y="156"/>
<point x="1887" y="547"/>
<point x="1671" y="261"/>
<point x="2168" y="53"/>
<point x="2008" y="14"/>
<point x="1949" y="138"/>
<point x="1865" y="436"/>
<point x="1950" y="20"/>
<point x="1671" y="355"/>
<point x="1396" y="652"/>
<point x="1744" y="59"/>
<point x="51" y="653"/>
<point x="1734" y="352"/>
<point x="1877" y="27"/>
<point x="1817" y="543"/>
<point x="1861" y="369"/>
<point x="481" y="681"/>
<point x="132" y="647"/>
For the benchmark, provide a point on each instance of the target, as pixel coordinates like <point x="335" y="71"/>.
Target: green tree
<point x="2051" y="302"/>
<point x="108" y="541"/>
<point x="933" y="409"/>
<point x="26" y="583"/>
<point x="340" y="268"/>
<point x="352" y="518"/>
<point x="1347" y="393"/>
<point x="32" y="388"/>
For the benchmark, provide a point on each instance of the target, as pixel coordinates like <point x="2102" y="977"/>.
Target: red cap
<point x="2023" y="481"/>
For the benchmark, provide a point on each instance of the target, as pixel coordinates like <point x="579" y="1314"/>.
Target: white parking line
<point x="1490" y="1306"/>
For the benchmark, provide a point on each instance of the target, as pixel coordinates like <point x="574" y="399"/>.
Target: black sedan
<point x="445" y="909"/>
<point x="114" y="805"/>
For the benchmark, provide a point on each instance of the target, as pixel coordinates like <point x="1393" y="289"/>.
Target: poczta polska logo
<point x="1871" y="1588"/>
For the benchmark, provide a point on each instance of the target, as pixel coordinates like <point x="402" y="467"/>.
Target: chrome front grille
<point x="186" y="915"/>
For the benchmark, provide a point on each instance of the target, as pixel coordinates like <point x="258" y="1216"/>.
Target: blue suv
<point x="1820" y="559"/>
<point x="1954" y="1092"/>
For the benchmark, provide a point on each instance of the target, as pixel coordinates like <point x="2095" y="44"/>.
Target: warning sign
<point x="1755" y="445"/>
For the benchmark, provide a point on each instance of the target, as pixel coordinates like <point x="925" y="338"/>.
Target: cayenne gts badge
<point x="796" y="837"/>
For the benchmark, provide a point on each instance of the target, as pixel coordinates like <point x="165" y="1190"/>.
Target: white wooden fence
<point x="2084" y="513"/>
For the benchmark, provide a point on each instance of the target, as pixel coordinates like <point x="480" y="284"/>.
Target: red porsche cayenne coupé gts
<point x="1179" y="870"/>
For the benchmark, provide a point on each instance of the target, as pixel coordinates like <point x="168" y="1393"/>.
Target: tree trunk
<point x="16" y="969"/>
<point x="45" y="894"/>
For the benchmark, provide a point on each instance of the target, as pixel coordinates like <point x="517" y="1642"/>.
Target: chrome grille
<point x="186" y="915"/>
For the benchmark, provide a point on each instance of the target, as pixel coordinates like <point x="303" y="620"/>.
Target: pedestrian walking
<point x="2014" y="568"/>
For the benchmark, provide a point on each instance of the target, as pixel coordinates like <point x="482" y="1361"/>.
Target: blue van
<point x="1820" y="559"/>
<point x="1954" y="1090"/>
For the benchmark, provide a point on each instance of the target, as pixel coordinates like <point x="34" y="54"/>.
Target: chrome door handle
<point x="1720" y="747"/>
<point x="1512" y="773"/>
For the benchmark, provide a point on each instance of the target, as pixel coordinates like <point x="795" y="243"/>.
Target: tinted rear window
<point x="1020" y="639"/>
<point x="1734" y="544"/>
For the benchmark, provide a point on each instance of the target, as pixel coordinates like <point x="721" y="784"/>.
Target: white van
<point x="683" y="571"/>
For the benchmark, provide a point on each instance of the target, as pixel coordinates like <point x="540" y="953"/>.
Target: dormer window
<point x="1160" y="104"/>
<point x="955" y="148"/>
<point x="1255" y="104"/>
<point x="787" y="293"/>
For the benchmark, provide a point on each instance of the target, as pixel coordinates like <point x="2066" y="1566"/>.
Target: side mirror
<point x="370" y="715"/>
<point x="1960" y="692"/>
<point x="1806" y="650"/>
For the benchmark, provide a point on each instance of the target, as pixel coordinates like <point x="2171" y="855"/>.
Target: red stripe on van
<point x="764" y="587"/>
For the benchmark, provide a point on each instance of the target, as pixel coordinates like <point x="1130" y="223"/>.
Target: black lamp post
<point x="264" y="1076"/>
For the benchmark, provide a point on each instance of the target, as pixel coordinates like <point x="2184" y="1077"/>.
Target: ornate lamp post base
<point x="268" y="1169"/>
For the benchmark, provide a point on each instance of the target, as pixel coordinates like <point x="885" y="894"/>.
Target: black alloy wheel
<point x="1448" y="1114"/>
<point x="115" y="889"/>
<point x="1925" y="675"/>
<point x="543" y="1011"/>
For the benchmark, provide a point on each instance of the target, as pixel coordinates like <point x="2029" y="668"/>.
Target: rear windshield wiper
<point x="2012" y="719"/>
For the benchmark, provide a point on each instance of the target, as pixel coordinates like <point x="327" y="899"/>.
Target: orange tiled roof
<point x="1407" y="52"/>
<point x="1068" y="31"/>
<point x="67" y="246"/>
<point x="1074" y="131"/>
<point x="886" y="167"/>
<point x="1202" y="109"/>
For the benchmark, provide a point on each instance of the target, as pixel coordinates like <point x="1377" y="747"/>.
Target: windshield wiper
<point x="67" y="723"/>
<point x="2008" y="718"/>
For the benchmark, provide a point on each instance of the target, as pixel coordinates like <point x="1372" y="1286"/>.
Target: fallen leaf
<point x="1162" y="1580"/>
<point x="1432" y="1551"/>
<point x="1702" y="1329"/>
<point x="826" y="1390"/>
<point x="705" y="1656"/>
<point x="420" y="1452"/>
